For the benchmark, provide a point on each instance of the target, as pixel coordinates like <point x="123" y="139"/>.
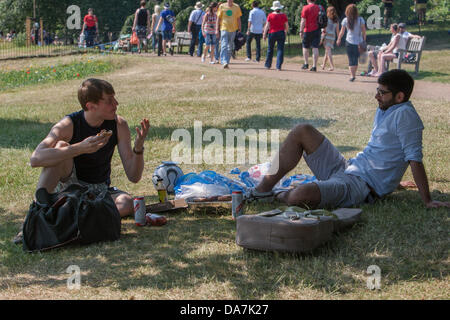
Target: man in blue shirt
<point x="194" y="27"/>
<point x="395" y="143"/>
<point x="167" y="20"/>
<point x="256" y="22"/>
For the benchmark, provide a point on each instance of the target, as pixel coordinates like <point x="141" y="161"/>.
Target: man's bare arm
<point x="133" y="162"/>
<point x="46" y="155"/>
<point x="421" y="180"/>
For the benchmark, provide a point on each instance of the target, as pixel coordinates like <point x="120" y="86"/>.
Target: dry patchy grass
<point x="195" y="256"/>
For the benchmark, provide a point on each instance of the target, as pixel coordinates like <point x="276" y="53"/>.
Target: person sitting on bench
<point x="395" y="143"/>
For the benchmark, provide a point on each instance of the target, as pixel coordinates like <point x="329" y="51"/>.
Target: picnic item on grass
<point x="292" y="229"/>
<point x="82" y="214"/>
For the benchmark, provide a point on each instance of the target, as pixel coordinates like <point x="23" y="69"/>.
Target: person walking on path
<point x="388" y="7"/>
<point x="256" y="23"/>
<point x="310" y="33"/>
<point x="156" y="34"/>
<point x="141" y="25"/>
<point x="356" y="36"/>
<point x="167" y="21"/>
<point x="330" y="34"/>
<point x="277" y="26"/>
<point x="194" y="28"/>
<point x="228" y="22"/>
<point x="209" y="30"/>
<point x="90" y="27"/>
<point x="421" y="9"/>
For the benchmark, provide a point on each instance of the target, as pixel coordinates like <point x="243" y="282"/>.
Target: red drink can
<point x="139" y="211"/>
<point x="237" y="204"/>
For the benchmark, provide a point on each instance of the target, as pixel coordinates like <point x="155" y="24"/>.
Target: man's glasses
<point x="382" y="92"/>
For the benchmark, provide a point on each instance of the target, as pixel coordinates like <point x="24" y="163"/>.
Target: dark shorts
<point x="113" y="191"/>
<point x="141" y="32"/>
<point x="167" y="35"/>
<point x="352" y="53"/>
<point x="311" y="39"/>
<point x="388" y="12"/>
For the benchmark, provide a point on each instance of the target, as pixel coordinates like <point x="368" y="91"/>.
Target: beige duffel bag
<point x="291" y="230"/>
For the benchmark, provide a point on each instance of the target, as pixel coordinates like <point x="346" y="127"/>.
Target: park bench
<point x="414" y="48"/>
<point x="182" y="38"/>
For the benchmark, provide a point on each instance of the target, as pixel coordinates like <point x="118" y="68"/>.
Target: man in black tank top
<point x="79" y="148"/>
<point x="141" y="25"/>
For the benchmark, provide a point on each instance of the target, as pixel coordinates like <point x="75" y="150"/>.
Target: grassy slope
<point x="194" y="256"/>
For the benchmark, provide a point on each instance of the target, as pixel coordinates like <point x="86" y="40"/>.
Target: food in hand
<point x="105" y="133"/>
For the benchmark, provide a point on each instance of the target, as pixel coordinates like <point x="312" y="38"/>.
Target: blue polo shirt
<point x="396" y="139"/>
<point x="167" y="16"/>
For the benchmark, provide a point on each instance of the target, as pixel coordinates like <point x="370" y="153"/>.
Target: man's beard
<point x="384" y="106"/>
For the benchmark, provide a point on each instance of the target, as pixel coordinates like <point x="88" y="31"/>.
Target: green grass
<point x="195" y="256"/>
<point x="54" y="73"/>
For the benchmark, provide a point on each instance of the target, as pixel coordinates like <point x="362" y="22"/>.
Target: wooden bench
<point x="182" y="38"/>
<point x="414" y="46"/>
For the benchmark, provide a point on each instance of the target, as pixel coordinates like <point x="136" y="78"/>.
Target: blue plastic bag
<point x="206" y="184"/>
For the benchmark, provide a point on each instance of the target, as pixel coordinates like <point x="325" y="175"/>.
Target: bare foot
<point x="322" y="66"/>
<point x="407" y="185"/>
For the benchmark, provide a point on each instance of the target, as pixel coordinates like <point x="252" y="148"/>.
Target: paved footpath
<point x="333" y="79"/>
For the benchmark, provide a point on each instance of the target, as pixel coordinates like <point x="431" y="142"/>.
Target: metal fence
<point x="45" y="44"/>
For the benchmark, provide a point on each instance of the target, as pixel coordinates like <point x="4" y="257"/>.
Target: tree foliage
<point x="114" y="15"/>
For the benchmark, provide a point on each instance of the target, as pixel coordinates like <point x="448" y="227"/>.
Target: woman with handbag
<point x="355" y="40"/>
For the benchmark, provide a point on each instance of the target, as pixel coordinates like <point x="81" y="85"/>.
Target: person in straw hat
<point x="194" y="27"/>
<point x="277" y="26"/>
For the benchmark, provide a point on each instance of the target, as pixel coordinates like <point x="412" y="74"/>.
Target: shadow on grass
<point x="256" y="122"/>
<point x="22" y="134"/>
<point x="193" y="250"/>
<point x="428" y="74"/>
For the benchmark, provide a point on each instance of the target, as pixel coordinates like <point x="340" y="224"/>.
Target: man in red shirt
<point x="90" y="27"/>
<point x="310" y="33"/>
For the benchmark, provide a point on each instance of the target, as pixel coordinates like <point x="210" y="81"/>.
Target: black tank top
<point x="94" y="167"/>
<point x="142" y="17"/>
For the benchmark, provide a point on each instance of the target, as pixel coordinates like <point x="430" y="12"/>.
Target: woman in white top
<point x="329" y="35"/>
<point x="388" y="53"/>
<point x="356" y="35"/>
<point x="155" y="20"/>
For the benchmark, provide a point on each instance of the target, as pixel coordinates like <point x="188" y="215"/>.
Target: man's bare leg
<point x="306" y="196"/>
<point x="50" y="176"/>
<point x="124" y="204"/>
<point x="303" y="137"/>
<point x="306" y="55"/>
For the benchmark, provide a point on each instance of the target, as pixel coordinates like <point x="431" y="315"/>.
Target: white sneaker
<point x="211" y="62"/>
<point x="247" y="59"/>
<point x="203" y="59"/>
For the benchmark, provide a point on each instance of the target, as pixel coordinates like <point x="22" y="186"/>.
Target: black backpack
<point x="239" y="41"/>
<point x="322" y="19"/>
<point x="78" y="214"/>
